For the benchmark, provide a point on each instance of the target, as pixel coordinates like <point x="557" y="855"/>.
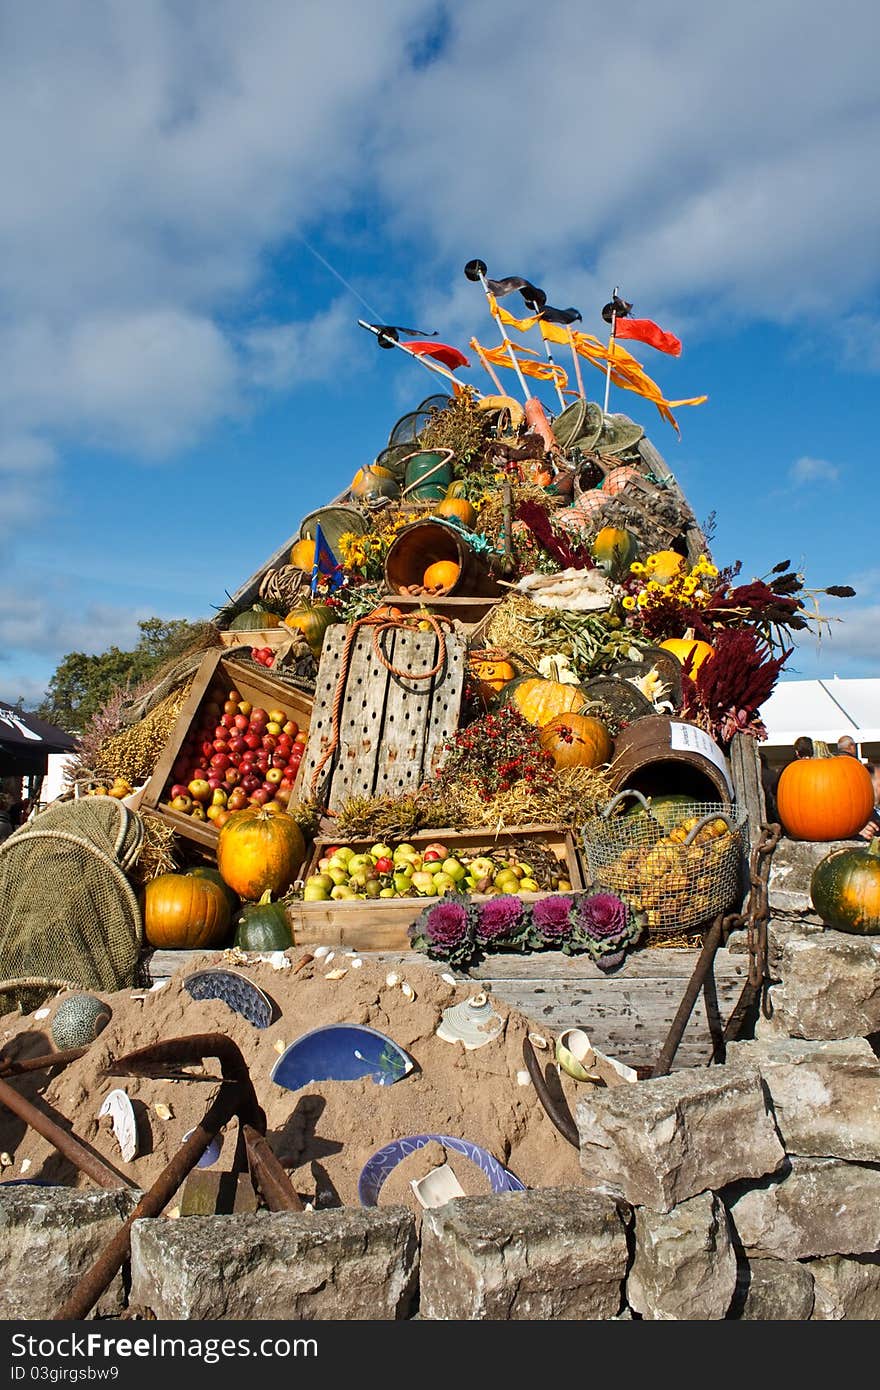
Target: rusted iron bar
<point x="71" y="1148"/>
<point x="705" y="961"/>
<point x="268" y="1175"/>
<point x="93" y="1283"/>
<point x="165" y="1058"/>
<point x="43" y="1062"/>
<point x="563" y="1122"/>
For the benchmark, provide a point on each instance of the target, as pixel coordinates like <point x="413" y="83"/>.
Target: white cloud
<point x="41" y="624"/>
<point x="810" y="470"/>
<point x="850" y="646"/>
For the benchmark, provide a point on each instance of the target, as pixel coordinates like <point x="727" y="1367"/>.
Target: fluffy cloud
<point x="809" y="470"/>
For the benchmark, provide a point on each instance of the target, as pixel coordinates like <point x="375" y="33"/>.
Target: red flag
<point x="644" y="331"/>
<point x="449" y="356"/>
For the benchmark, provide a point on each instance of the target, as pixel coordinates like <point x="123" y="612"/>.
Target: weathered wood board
<point x="392" y="728"/>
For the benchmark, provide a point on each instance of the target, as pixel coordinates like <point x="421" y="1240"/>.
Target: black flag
<point x="618" y="308"/>
<point x="560" y="316"/>
<point x="387" y="332"/>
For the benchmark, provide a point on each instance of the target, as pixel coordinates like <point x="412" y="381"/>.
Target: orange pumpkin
<point x="665" y="565"/>
<point x="576" y="740"/>
<point x="302" y="555"/>
<point x="540" y="700"/>
<point x="185" y="912"/>
<point x="824" y="798"/>
<point x="443" y="573"/>
<point x="689" y="648"/>
<point x="258" y="850"/>
<point x="492" y="673"/>
<point x="312" y="620"/>
<point x="458" y="507"/>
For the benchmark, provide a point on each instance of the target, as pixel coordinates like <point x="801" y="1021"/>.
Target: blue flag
<point x="326" y="563"/>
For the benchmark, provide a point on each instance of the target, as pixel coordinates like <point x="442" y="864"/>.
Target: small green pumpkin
<point x="845" y="889"/>
<point x="263" y="926"/>
<point x="254" y="620"/>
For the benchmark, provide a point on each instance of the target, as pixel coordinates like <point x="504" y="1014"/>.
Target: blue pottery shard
<point x="212" y="1152"/>
<point x="340" y="1052"/>
<point x="384" y="1161"/>
<point x="239" y="993"/>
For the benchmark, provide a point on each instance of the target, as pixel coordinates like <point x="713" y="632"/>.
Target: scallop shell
<point x="25" y="1165"/>
<point x="118" y="1106"/>
<point x="539" y="1041"/>
<point x="356" y="963"/>
<point x="523" y="1078"/>
<point x="392" y="979"/>
<point x="5" y="1160"/>
<point x="42" y="1013"/>
<point x="335" y="974"/>
<point x="449" y="979"/>
<point x="407" y="990"/>
<point x="163" y="1111"/>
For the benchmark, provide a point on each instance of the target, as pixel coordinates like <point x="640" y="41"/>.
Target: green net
<point x="68" y="914"/>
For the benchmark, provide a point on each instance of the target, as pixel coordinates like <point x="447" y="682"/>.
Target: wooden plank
<point x="407" y="705"/>
<point x="745" y="770"/>
<point x="360" y="723"/>
<point x="321" y="726"/>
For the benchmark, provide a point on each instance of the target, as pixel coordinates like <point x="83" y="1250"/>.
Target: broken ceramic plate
<point x="385" y="1160"/>
<point x="473" y="1023"/>
<point x="576" y="1055"/>
<point x="118" y="1106"/>
<point x="437" y="1187"/>
<point x="234" y="989"/>
<point x="340" y="1052"/>
<point x="212" y="1152"/>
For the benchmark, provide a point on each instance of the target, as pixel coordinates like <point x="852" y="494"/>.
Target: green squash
<point x="205" y="871"/>
<point x="254" y="619"/>
<point x="263" y="926"/>
<point x="845" y="889"/>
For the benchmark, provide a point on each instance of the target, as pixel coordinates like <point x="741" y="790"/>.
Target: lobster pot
<point x="425" y="542"/>
<point x="659" y="756"/>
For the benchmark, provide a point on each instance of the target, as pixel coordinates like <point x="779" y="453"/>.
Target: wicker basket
<point x="679" y="863"/>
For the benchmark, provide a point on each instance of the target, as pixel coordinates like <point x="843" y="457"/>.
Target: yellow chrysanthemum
<point x="637" y="567"/>
<point x="629" y="602"/>
<point x="642" y="599"/>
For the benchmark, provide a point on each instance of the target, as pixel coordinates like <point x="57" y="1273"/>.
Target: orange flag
<point x="500" y="357"/>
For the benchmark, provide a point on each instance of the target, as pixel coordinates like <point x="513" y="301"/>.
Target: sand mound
<point x="324" y="1133"/>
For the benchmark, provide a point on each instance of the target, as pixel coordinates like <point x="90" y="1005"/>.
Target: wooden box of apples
<point x="367" y="895"/>
<point x="238" y="741"/>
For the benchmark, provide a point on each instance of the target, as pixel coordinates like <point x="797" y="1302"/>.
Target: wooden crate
<point x="381" y="924"/>
<point x="265" y="637"/>
<point x="470" y="612"/>
<point x="392" y="728"/>
<point x="215" y="677"/>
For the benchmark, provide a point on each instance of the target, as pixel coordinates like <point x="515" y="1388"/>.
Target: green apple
<point x="433" y="866"/>
<point x="320" y="881"/>
<point x="387" y="893"/>
<point x="337" y="874"/>
<point x="357" y="880"/>
<point x="314" y="893"/>
<point x="359" y="862"/>
<point x="528" y="885"/>
<point x="372" y="888"/>
<point x="342" y="893"/>
<point x="443" y="884"/>
<point x="506" y="882"/>
<point x="527" y="870"/>
<point x="404" y="851"/>
<point x="423" y="883"/>
<point x="381" y="851"/>
<point x="481" y="868"/>
<point x="337" y="863"/>
<point x="344" y="853"/>
<point x="455" y="869"/>
<point x="324" y="863"/>
<point x="403" y="884"/>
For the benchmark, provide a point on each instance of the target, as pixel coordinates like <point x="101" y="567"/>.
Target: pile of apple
<point x="405" y="872"/>
<point x="235" y="755"/>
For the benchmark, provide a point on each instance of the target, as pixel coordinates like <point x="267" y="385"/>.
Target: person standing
<point x="846" y="746"/>
<point x="872" y="826"/>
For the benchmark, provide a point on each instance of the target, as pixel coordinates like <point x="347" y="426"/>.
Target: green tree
<point x="83" y="685"/>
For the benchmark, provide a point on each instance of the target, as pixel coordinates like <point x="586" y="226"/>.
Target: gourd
<point x="458" y="507"/>
<point x="302" y="555"/>
<point x="576" y="740"/>
<point x="492" y="673"/>
<point x="825" y="797"/>
<point x="614" y="549"/>
<point x="689" y="648"/>
<point x="258" y="850"/>
<point x="540" y="700"/>
<point x="665" y="565"/>
<point x="254" y="619"/>
<point x="374" y="481"/>
<point x="185" y="912"/>
<point x="312" y="620"/>
<point x="263" y="926"/>
<point x="845" y="888"/>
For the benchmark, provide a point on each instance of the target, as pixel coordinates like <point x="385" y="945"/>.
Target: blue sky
<point x="181" y="379"/>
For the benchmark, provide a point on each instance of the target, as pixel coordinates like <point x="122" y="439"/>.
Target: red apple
<point x="242" y="722"/>
<point x="247" y="758"/>
<point x="179" y="789"/>
<point x="207" y="748"/>
<point x="237" y="745"/>
<point x="278" y="760"/>
<point x="291" y="728"/>
<point x="250" y="783"/>
<point x="230" y="707"/>
<point x="259" y="716"/>
<point x="259" y="797"/>
<point x="301" y="737"/>
<point x="252" y="739"/>
<point x="215" y="781"/>
<point x="282" y="794"/>
<point x="384" y="865"/>
<point x="199" y="773"/>
<point x="237" y="799"/>
<point x="232" y="777"/>
<point x="269" y="743"/>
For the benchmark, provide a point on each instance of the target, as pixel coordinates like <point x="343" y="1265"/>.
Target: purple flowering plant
<point x="551" y="922"/>
<point x="603" y="926"/>
<point x="503" y="923"/>
<point x="444" y="930"/>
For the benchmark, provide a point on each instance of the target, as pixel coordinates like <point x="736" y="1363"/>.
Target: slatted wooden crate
<point x="392" y="727"/>
<point x="216" y="676"/>
<point x="382" y="924"/>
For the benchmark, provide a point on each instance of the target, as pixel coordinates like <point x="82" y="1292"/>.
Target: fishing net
<point x="680" y="863"/>
<point x="68" y="914"/>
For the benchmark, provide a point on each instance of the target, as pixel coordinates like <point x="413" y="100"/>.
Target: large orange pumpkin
<point x="689" y="648"/>
<point x="824" y="798"/>
<point x="443" y="572"/>
<point x="185" y="912"/>
<point x="576" y="740"/>
<point x="257" y="851"/>
<point x="458" y="507"/>
<point x="540" y="700"/>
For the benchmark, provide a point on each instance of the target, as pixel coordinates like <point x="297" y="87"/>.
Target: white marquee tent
<point x="823" y="709"/>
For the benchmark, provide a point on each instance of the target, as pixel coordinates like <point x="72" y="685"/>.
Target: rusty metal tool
<point x="236" y="1097"/>
<point x="561" y="1120"/>
<point x="268" y="1175"/>
<point x="68" y="1145"/>
<point x="43" y="1061"/>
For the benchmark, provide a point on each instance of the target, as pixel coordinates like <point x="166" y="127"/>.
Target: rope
<point x="379" y="624"/>
<point x="35" y="982"/>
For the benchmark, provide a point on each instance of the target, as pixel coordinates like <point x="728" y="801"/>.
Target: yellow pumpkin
<point x="664" y="565"/>
<point x="302" y="555"/>
<point x="494" y="673"/>
<point x="312" y="620"/>
<point x="540" y="700"/>
<point x="689" y="647"/>
<point x="259" y="851"/>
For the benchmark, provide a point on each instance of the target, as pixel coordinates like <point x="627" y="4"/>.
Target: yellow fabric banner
<point x="500" y="357"/>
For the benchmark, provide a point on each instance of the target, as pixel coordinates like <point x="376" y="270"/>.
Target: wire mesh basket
<point x="678" y="861"/>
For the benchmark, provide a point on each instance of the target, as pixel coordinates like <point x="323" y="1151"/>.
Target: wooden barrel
<point x="423" y="543"/>
<point x="660" y="756"/>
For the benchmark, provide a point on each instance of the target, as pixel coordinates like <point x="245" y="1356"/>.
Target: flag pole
<point x="576" y="360"/>
<point x="610" y="349"/>
<point x="562" y="401"/>
<point x="476" y="270"/>
<point x="429" y="366"/>
<point x="487" y="367"/>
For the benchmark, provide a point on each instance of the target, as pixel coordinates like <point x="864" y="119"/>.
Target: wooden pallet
<point x="391" y="728"/>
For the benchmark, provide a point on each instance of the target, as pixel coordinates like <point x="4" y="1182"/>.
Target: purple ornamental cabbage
<point x="551" y="920"/>
<point x="444" y="930"/>
<point x="502" y="923"/>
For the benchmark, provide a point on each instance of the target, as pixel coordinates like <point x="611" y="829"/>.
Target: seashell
<point x="25" y="1165"/>
<point x="5" y="1160"/>
<point x="279" y="1046"/>
<point x="163" y="1111"/>
<point x="392" y="979"/>
<point x="449" y="979"/>
<point x="78" y="1020"/>
<point x="407" y="990"/>
<point x="277" y="959"/>
<point x="321" y="951"/>
<point x="523" y="1078"/>
<point x="539" y="1041"/>
<point x="335" y="974"/>
<point x="159" y="984"/>
<point x="42" y="1013"/>
<point x="118" y="1106"/>
<point x="357" y="963"/>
